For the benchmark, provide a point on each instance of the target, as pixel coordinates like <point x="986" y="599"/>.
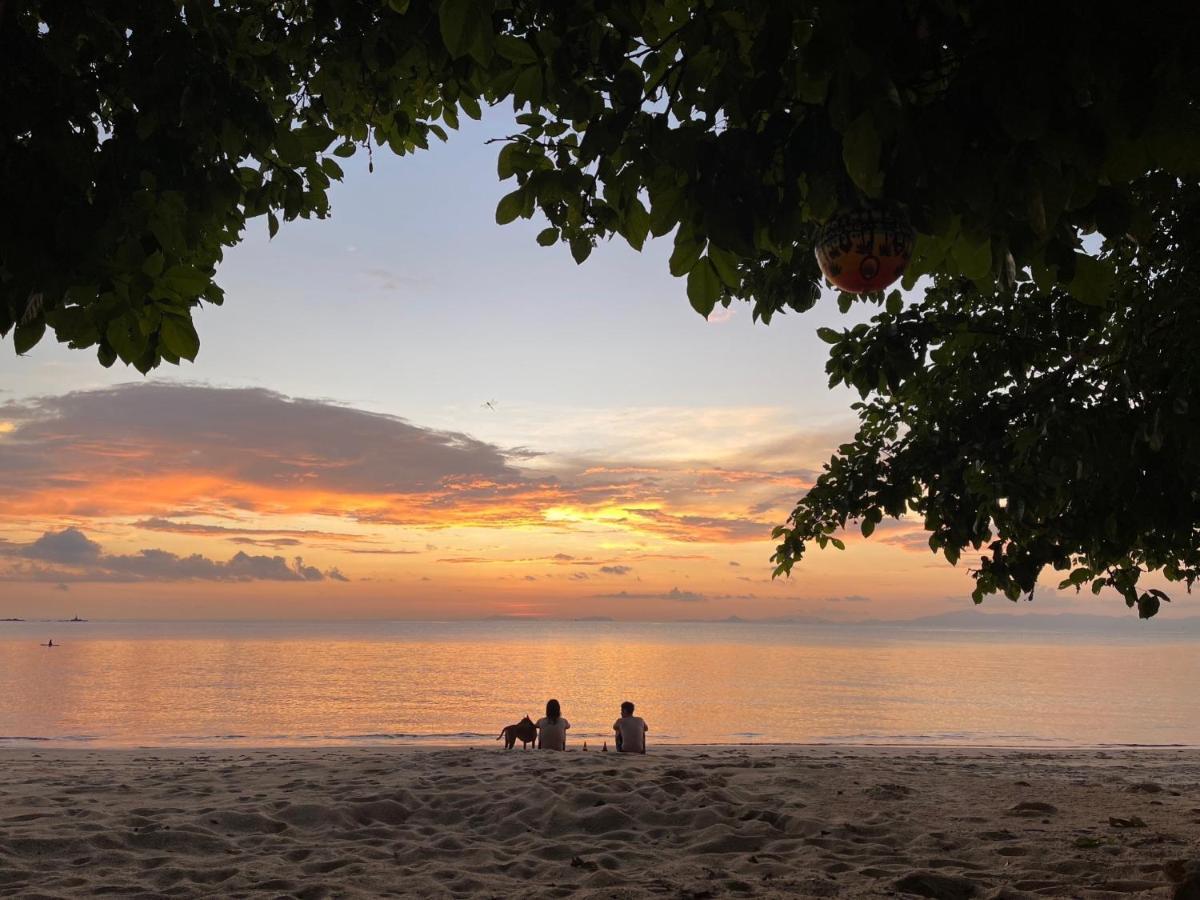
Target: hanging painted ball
<point x="864" y="250"/>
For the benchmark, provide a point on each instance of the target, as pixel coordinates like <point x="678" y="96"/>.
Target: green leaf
<point x="547" y="236"/>
<point x="861" y="153"/>
<point x="703" y="287"/>
<point x="528" y="87"/>
<point x="178" y="335"/>
<point x="272" y="224"/>
<point x="457" y="23"/>
<point x="1093" y="282"/>
<point x="973" y="257"/>
<point x="153" y="265"/>
<point x="868" y="527"/>
<point x="315" y="138"/>
<point x="470" y="105"/>
<point x="507" y="158"/>
<point x="125" y="336"/>
<point x="510" y="206"/>
<point x="581" y="249"/>
<point x="25" y="337"/>
<point x="828" y="335"/>
<point x="686" y="253"/>
<point x="637" y="224"/>
<point x="726" y="265"/>
<point x="332" y="169"/>
<point x="344" y="150"/>
<point x="187" y="280"/>
<point x="514" y="50"/>
<point x="665" y="207"/>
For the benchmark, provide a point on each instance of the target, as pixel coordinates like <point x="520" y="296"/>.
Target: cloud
<point x="70" y="556"/>
<point x="734" y="563"/>
<point x="167" y="454"/>
<point x="379" y="552"/>
<point x="250" y="437"/>
<point x="849" y="598"/>
<point x="62" y="587"/>
<point x="707" y="529"/>
<point x="70" y="546"/>
<point x="387" y="280"/>
<point x="907" y="534"/>
<point x="673" y="594"/>
<point x="616" y="570"/>
<point x="166" y="524"/>
<point x="266" y="542"/>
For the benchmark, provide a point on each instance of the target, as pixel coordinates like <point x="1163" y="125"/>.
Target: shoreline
<point x="681" y="821"/>
<point x="417" y="742"/>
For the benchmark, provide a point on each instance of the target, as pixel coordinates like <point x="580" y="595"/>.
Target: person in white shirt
<point x="631" y="731"/>
<point x="552" y="730"/>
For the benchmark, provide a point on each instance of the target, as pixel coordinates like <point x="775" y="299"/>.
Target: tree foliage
<point x="137" y="139"/>
<point x="1042" y="429"/>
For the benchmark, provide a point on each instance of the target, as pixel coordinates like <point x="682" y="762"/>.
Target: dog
<point x="524" y="731"/>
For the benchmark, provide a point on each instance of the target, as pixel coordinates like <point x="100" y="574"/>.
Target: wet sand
<point x="685" y="822"/>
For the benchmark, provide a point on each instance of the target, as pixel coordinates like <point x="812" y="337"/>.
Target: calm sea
<point x="255" y="684"/>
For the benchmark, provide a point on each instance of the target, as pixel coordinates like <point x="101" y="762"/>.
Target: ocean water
<point x="120" y="684"/>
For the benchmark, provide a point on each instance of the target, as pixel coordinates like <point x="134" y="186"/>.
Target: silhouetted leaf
<point x="703" y="287"/>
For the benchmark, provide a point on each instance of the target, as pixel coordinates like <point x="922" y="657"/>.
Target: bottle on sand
<point x="585" y="746"/>
<point x="604" y="749"/>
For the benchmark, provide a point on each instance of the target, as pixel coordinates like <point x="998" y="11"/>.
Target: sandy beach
<point x="685" y="822"/>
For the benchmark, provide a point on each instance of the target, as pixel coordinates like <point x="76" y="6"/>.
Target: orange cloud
<point x="150" y="451"/>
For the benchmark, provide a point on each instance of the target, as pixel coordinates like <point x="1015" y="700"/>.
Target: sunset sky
<point x="330" y="454"/>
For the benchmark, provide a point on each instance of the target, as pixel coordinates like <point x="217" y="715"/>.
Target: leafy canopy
<point x="1035" y="401"/>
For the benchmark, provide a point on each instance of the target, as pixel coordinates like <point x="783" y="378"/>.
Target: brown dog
<point x="524" y="731"/>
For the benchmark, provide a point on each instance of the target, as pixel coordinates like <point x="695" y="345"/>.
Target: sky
<point x="407" y="411"/>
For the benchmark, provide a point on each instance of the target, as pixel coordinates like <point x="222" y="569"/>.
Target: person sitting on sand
<point x="552" y="730"/>
<point x="631" y="731"/>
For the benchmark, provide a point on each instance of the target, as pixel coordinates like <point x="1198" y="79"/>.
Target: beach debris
<point x="604" y="749"/>
<point x="585" y="746"/>
<point x="1032" y="808"/>
<point x="578" y="862"/>
<point x="1185" y="873"/>
<point x="1146" y="787"/>
<point x="937" y="886"/>
<point x="888" y="792"/>
<point x="1131" y="822"/>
